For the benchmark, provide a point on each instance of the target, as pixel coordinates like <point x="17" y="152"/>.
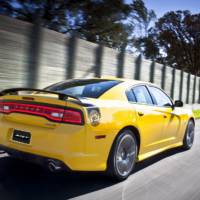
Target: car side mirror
<point x="178" y="103"/>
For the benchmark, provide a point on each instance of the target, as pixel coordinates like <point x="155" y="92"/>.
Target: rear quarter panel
<point x="115" y="115"/>
<point x="185" y="115"/>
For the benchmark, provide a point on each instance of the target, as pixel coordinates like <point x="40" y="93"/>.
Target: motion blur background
<point x="46" y="41"/>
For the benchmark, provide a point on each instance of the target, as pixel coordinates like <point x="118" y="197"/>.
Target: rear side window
<point x="160" y="98"/>
<point x="92" y="88"/>
<point x="142" y="95"/>
<point x="130" y="96"/>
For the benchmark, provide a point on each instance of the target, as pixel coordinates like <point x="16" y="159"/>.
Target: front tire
<point x="123" y="155"/>
<point x="189" y="136"/>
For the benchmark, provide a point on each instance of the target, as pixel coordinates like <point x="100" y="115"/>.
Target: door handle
<point x="140" y="114"/>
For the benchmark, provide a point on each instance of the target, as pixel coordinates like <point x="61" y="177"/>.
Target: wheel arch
<point x="134" y="131"/>
<point x="192" y="119"/>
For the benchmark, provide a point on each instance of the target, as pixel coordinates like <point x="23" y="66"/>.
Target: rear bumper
<point x="68" y="144"/>
<point x="75" y="146"/>
<point x="41" y="160"/>
<point x="75" y="162"/>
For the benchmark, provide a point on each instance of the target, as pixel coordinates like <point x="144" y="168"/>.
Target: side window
<point x="130" y="96"/>
<point x="142" y="95"/>
<point x="161" y="99"/>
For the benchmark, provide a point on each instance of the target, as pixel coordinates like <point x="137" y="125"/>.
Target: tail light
<point x="72" y="116"/>
<point x="62" y="115"/>
<point x="94" y="116"/>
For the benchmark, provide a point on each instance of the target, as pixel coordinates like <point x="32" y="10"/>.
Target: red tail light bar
<point x="62" y="115"/>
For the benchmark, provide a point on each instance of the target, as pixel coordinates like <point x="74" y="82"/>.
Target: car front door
<point x="172" y="121"/>
<point x="150" y="121"/>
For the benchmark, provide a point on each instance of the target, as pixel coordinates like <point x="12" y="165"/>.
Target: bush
<point x="196" y="114"/>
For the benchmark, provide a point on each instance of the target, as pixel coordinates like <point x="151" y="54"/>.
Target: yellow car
<point x="93" y="124"/>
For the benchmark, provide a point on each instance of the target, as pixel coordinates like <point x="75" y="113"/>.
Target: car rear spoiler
<point x="14" y="91"/>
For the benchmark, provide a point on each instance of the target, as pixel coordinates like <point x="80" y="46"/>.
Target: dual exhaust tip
<point x="54" y="166"/>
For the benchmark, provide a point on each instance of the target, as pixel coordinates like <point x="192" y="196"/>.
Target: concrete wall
<point x="35" y="57"/>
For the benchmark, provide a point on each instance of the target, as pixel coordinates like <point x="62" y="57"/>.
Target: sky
<point x="162" y="6"/>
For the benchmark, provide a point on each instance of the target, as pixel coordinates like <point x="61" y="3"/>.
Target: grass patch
<point x="196" y="114"/>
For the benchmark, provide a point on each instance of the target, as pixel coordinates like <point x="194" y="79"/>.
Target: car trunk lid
<point x="44" y="110"/>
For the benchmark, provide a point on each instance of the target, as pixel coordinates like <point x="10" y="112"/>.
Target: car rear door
<point x="150" y="120"/>
<point x="172" y="120"/>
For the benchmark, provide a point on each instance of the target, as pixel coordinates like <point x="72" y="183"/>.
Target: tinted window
<point x="92" y="88"/>
<point x="142" y="95"/>
<point x="161" y="99"/>
<point x="130" y="96"/>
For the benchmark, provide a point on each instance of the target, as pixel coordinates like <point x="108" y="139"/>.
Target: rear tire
<point x="123" y="155"/>
<point x="189" y="136"/>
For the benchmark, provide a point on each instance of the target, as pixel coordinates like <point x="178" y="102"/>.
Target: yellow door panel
<point x="171" y="124"/>
<point x="150" y="123"/>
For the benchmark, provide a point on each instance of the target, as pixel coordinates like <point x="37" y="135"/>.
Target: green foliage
<point x="173" y="39"/>
<point x="94" y="20"/>
<point x="142" y="16"/>
<point x="109" y="22"/>
<point x="177" y="35"/>
<point x="101" y="21"/>
<point x="52" y="12"/>
<point x="196" y="114"/>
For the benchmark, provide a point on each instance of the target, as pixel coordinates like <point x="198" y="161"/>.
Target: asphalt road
<point x="173" y="175"/>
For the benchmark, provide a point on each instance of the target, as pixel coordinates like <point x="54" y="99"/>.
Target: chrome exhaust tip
<point x="53" y="166"/>
<point x="2" y="152"/>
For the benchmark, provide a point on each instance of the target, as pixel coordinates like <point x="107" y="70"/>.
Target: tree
<point x="94" y="20"/>
<point x="140" y="21"/>
<point x="177" y="34"/>
<point x="148" y="46"/>
<point x="51" y="12"/>
<point x="102" y="21"/>
<point x="142" y="17"/>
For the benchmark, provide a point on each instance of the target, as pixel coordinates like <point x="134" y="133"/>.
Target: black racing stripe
<point x="47" y="105"/>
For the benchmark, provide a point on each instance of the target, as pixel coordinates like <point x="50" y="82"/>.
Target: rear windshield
<point x="92" y="88"/>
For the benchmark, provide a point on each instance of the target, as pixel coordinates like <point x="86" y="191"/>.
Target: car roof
<point x="126" y="81"/>
<point x="123" y="80"/>
<point x="113" y="93"/>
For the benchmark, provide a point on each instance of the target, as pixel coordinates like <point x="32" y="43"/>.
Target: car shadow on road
<point x="21" y="181"/>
